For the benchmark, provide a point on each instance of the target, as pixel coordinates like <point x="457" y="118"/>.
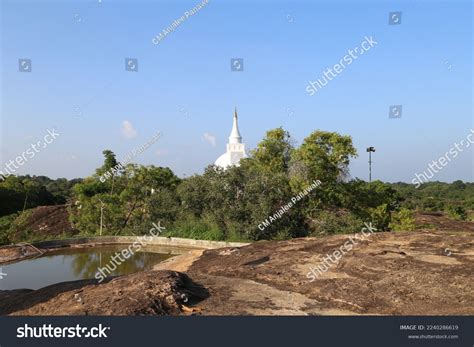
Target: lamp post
<point x="370" y="150"/>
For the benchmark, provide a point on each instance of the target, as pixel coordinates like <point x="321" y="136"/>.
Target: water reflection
<point x="85" y="265"/>
<point x="75" y="264"/>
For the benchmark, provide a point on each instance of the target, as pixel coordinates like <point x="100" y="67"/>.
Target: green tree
<point x="324" y="156"/>
<point x="110" y="162"/>
<point x="140" y="194"/>
<point x="274" y="151"/>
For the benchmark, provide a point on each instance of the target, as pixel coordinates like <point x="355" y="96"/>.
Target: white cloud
<point x="128" y="130"/>
<point x="161" y="152"/>
<point x="211" y="139"/>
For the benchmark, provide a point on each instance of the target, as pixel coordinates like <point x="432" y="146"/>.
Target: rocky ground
<point x="143" y="293"/>
<point x="395" y="273"/>
<point x="422" y="273"/>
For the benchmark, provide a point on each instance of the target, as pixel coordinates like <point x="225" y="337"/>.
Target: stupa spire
<point x="235" y="136"/>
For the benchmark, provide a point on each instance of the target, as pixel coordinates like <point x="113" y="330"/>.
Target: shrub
<point x="456" y="212"/>
<point x="336" y="222"/>
<point x="18" y="231"/>
<point x="432" y="204"/>
<point x="380" y="217"/>
<point x="194" y="228"/>
<point x="6" y="235"/>
<point x="403" y="220"/>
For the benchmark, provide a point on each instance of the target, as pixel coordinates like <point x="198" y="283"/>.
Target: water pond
<point x="71" y="264"/>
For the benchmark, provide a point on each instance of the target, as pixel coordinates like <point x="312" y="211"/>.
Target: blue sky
<point x="184" y="87"/>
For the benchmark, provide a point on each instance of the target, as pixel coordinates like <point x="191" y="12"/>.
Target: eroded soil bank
<point x="413" y="273"/>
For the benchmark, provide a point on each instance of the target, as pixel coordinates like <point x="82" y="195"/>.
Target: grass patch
<point x="201" y="230"/>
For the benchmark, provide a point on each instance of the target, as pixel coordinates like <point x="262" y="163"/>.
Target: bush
<point x="380" y="217"/>
<point x="457" y="212"/>
<point x="18" y="231"/>
<point x="338" y="222"/>
<point x="198" y="229"/>
<point x="432" y="205"/>
<point x="403" y="220"/>
<point x="6" y="235"/>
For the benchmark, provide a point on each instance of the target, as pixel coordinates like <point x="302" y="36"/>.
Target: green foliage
<point x="130" y="201"/>
<point x="457" y="212"/>
<point x="18" y="193"/>
<point x="238" y="200"/>
<point x="335" y="222"/>
<point x="110" y="160"/>
<point x="18" y="232"/>
<point x="432" y="204"/>
<point x="196" y="228"/>
<point x="403" y="220"/>
<point x="235" y="204"/>
<point x="359" y="196"/>
<point x="6" y="231"/>
<point x="436" y="196"/>
<point x="322" y="155"/>
<point x="373" y="202"/>
<point x="380" y="217"/>
<point x="191" y="192"/>
<point x="240" y="203"/>
<point x="273" y="152"/>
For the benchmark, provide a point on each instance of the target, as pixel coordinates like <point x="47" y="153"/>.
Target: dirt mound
<point x="143" y="293"/>
<point x="48" y="221"/>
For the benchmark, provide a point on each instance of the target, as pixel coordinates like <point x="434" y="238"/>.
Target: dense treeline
<point x="18" y="193"/>
<point x="233" y="204"/>
<point x="248" y="202"/>
<point x="437" y="196"/>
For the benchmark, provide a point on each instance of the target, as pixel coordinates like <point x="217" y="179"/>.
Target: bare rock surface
<point x="142" y="293"/>
<point x="393" y="273"/>
<point x="398" y="273"/>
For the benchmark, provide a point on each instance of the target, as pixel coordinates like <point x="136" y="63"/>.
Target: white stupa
<point x="235" y="148"/>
